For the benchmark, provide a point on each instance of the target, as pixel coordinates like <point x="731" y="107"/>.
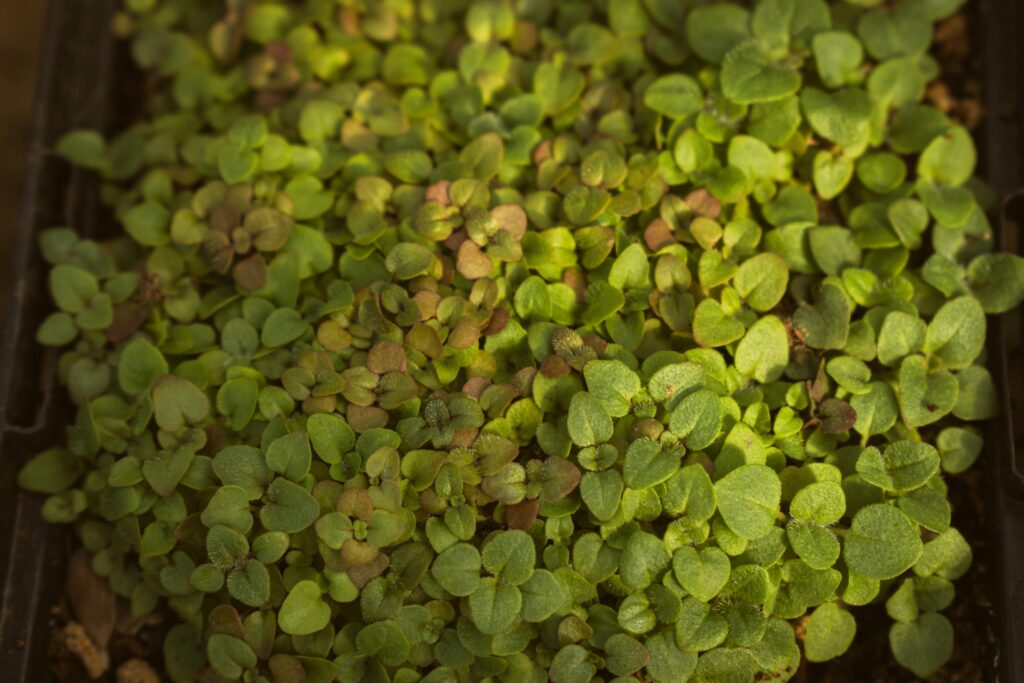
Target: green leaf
<point x="331" y="436"/>
<point x="778" y="22"/>
<point x="237" y="165"/>
<point x="603" y="301"/>
<point x="177" y="403"/>
<point x="831" y="174"/>
<point x="141" y="365"/>
<point x="822" y="502"/>
<point x="748" y="498"/>
<point x="290" y="507"/>
<point x="630" y="269"/>
<point x="958" y="448"/>
<point x="52" y="471"/>
<point x="923" y="645"/>
<point x="713" y="327"/>
<point x="589" y="424"/>
<point x="838" y="56"/>
<point x="924" y="396"/>
<point x="842" y="117"/>
<point x="712" y="31"/>
<point x="571" y="665"/>
<point x="303" y="610"/>
<point x="852" y="374"/>
<point x="602" y="493"/>
<point x="815" y="545"/>
<point x="457" y="569"/>
<point x="750" y="75"/>
<point x="647" y="464"/>
<point x="625" y="654"/>
<point x="483" y="156"/>
<point x="612" y="384"/>
<point x="184" y="653"/>
<point x="72" y="287"/>
<point x="804" y="587"/>
<point x="229" y="506"/>
<point x="774" y="123"/>
<point x="148" y="224"/>
<point x="909" y="218"/>
<point x="956" y="333"/>
<point x="384" y="640"/>
<point x="673" y="382"/>
<point x="703" y="574"/>
<point x="928" y="508"/>
<point x="243" y="466"/>
<point x="763" y="353"/>
<point x="948" y="556"/>
<point x="761" y="280"/>
<point x="510" y="556"/>
<point x="226" y="546"/>
<point x="643" y="560"/>
<point x="752" y="156"/>
<point x="826" y="324"/>
<point x="726" y="665"/>
<point x="949" y="159"/>
<point x="532" y="299"/>
<point x="250" y="585"/>
<point x="494" y="606"/>
<point x="901" y="466"/>
<point x="282" y="326"/>
<point x="229" y="656"/>
<point x="692" y="151"/>
<point x="877" y="409"/>
<point x="290" y="456"/>
<point x="270" y="228"/>
<point x="57" y="329"/>
<point x="408" y="260"/>
<point x="882" y="542"/>
<point x="901" y="335"/>
<point x="543" y="595"/>
<point x="319" y="120"/>
<point x="236" y="401"/>
<point x="690" y="491"/>
<point x="697" y="419"/>
<point x="558" y="86"/>
<point x="889" y="34"/>
<point x="674" y="95"/>
<point x="668" y="663"/>
<point x="85" y="148"/>
<point x="829" y="632"/>
<point x="835" y="249"/>
<point x="997" y="280"/>
<point x="881" y="172"/>
<point x="902" y="604"/>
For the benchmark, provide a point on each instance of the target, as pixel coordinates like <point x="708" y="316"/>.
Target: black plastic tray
<point x="1000" y="39"/>
<point x="74" y="90"/>
<point x="82" y="83"/>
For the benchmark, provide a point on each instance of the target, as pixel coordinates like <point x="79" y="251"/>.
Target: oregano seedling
<point x="526" y="341"/>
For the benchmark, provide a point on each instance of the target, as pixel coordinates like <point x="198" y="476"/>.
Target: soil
<point x="94" y="635"/>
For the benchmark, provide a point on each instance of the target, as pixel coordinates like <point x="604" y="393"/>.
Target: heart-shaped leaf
<point x="303" y="610"/>
<point x="703" y="574"/>
<point x="882" y="542"/>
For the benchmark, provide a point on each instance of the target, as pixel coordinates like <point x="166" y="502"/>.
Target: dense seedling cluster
<point x="517" y="340"/>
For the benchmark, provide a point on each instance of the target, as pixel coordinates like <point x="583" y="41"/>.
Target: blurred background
<point x="21" y="35"/>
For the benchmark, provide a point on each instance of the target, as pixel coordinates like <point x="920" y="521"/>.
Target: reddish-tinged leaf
<point x="523" y="514"/>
